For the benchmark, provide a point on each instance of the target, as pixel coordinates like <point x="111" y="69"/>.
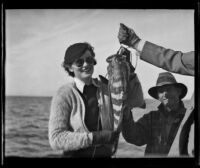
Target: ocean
<point x="26" y="129"/>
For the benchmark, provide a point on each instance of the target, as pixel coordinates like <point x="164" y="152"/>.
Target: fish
<point x="118" y="71"/>
<point x="118" y="79"/>
<point x="124" y="88"/>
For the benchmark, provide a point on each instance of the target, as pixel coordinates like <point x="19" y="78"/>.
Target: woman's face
<point x="83" y="67"/>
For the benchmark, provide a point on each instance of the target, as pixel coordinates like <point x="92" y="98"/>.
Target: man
<point x="168" y="59"/>
<point x="173" y="61"/>
<point x="157" y="129"/>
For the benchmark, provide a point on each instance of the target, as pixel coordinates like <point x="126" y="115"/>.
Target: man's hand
<point x="127" y="36"/>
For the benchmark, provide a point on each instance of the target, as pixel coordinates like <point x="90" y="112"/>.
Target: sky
<point x="36" y="41"/>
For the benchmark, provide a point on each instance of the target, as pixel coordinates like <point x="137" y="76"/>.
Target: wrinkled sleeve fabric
<point x="61" y="135"/>
<point x="137" y="133"/>
<point x="170" y="60"/>
<point x="135" y="96"/>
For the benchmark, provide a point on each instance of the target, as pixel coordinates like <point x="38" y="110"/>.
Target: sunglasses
<point x="89" y="60"/>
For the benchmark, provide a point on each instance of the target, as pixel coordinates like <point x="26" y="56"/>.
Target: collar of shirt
<point x="80" y="84"/>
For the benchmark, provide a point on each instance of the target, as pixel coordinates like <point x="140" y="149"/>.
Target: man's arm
<point x="170" y="60"/>
<point x="137" y="133"/>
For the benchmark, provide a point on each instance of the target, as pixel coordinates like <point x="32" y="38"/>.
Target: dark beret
<point x="75" y="51"/>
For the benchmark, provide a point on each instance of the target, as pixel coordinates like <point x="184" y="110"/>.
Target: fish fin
<point x="103" y="79"/>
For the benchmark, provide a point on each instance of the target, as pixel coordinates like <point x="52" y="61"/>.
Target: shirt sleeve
<point x="168" y="59"/>
<point x="140" y="45"/>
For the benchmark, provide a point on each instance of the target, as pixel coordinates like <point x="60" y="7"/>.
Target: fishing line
<point x="97" y="130"/>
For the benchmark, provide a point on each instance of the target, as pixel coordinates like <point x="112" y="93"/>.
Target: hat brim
<point x="154" y="90"/>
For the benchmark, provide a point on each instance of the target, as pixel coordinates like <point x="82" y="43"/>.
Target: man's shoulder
<point x="153" y="114"/>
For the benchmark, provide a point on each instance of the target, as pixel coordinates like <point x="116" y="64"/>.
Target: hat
<point x="166" y="78"/>
<point x="75" y="51"/>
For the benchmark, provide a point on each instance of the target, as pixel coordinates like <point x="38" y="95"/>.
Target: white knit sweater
<point x="67" y="130"/>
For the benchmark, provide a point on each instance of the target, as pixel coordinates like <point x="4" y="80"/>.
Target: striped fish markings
<point x="118" y="77"/>
<point x="124" y="87"/>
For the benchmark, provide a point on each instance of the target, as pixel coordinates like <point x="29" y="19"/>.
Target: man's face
<point x="168" y="95"/>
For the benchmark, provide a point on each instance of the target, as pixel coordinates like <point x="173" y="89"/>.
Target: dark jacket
<point x="157" y="130"/>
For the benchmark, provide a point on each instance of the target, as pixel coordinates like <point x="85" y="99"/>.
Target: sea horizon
<point x="43" y="96"/>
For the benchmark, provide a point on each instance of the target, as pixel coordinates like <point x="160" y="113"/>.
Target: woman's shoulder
<point x="66" y="89"/>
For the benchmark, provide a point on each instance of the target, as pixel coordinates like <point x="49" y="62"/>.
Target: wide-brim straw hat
<point x="166" y="78"/>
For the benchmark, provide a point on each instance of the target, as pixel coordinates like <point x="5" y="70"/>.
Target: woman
<point x="80" y="121"/>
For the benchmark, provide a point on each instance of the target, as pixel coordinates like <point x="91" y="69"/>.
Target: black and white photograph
<point x="99" y="83"/>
